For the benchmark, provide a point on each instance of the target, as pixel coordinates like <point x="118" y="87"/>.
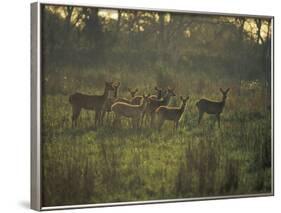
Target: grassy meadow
<point x="86" y="165"/>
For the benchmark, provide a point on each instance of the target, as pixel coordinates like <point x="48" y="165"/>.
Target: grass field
<point x="86" y="165"/>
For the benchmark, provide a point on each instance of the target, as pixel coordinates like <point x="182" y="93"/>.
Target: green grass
<point x="87" y="165"/>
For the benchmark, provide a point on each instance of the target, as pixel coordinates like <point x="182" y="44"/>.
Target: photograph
<point x="142" y="105"/>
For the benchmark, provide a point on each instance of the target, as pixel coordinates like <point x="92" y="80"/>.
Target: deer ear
<point x="227" y="90"/>
<point x="136" y="89"/>
<point x="181" y="98"/>
<point x="187" y="98"/>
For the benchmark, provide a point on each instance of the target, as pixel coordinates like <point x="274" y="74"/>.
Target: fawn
<point x="170" y="113"/>
<point x="130" y="111"/>
<point x="80" y="101"/>
<point x="212" y="107"/>
<point x="155" y="103"/>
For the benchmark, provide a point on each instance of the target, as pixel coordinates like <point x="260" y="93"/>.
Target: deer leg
<point x="115" y="120"/>
<point x="142" y="119"/>
<point x="97" y="118"/>
<point x="200" y="117"/>
<point x="145" y="120"/>
<point x="219" y="122"/>
<point x="102" y="116"/>
<point x="176" y="124"/>
<point x="160" y="122"/>
<point x="75" y="114"/>
<point x="133" y="123"/>
<point x="72" y="117"/>
<point x="108" y="117"/>
<point x="138" y="122"/>
<point x="152" y="119"/>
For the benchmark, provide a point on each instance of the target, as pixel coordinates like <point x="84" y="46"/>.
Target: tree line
<point x="140" y="40"/>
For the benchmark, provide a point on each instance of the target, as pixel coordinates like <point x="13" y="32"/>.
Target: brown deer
<point x="137" y="99"/>
<point x="130" y="111"/>
<point x="133" y="92"/>
<point x="80" y="101"/>
<point x="155" y="103"/>
<point x="170" y="113"/>
<point x="158" y="95"/>
<point x="110" y="101"/>
<point x="212" y="107"/>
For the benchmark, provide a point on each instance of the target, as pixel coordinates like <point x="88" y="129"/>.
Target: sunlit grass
<point x="87" y="165"/>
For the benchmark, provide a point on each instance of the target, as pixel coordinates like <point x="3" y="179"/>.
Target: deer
<point x="125" y="100"/>
<point x="158" y="95"/>
<point x="80" y="101"/>
<point x="171" y="113"/>
<point x="155" y="103"/>
<point x="133" y="92"/>
<point x="212" y="107"/>
<point x="137" y="99"/>
<point x="130" y="111"/>
<point x="110" y="101"/>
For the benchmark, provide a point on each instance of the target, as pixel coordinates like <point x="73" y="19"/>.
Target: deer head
<point x="116" y="85"/>
<point x="146" y="97"/>
<point x="109" y="86"/>
<point x="159" y="92"/>
<point x="133" y="92"/>
<point x="224" y="93"/>
<point x="184" y="100"/>
<point x="170" y="92"/>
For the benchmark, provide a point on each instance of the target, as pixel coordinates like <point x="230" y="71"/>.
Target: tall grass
<point x="83" y="165"/>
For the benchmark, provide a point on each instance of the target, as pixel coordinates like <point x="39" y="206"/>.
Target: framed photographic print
<point x="138" y="105"/>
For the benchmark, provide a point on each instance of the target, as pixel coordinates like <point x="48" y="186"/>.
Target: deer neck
<point x="159" y="95"/>
<point x="182" y="108"/>
<point x="142" y="105"/>
<point x="105" y="93"/>
<point x="223" y="101"/>
<point x="166" y="99"/>
<point x="115" y="93"/>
